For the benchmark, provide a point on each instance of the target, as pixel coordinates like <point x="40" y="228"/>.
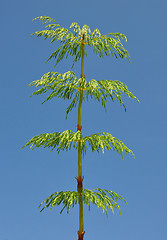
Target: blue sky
<point x="28" y="177"/>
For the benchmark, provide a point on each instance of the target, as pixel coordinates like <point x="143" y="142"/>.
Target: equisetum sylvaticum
<point x="78" y="89"/>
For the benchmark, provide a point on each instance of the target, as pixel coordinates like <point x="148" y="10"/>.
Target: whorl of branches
<point x="109" y="44"/>
<point x="102" y="198"/>
<point x="67" y="86"/>
<point x="67" y="139"/>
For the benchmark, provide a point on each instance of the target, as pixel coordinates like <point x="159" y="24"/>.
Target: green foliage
<point x="68" y="139"/>
<point x="70" y="43"/>
<point x="102" y="198"/>
<point x="107" y="141"/>
<point x="103" y="89"/>
<point x="58" y="140"/>
<point x="67" y="198"/>
<point x="109" y="44"/>
<point x="67" y="85"/>
<point x="61" y="85"/>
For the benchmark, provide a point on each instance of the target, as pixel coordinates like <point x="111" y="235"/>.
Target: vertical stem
<point x="79" y="127"/>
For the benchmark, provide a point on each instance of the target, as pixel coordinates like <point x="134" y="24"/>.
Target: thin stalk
<point x="79" y="127"/>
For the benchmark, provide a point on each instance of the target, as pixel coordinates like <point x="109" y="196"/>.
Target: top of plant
<point x="109" y="44"/>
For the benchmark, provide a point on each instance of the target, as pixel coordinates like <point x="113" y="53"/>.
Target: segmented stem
<point x="79" y="127"/>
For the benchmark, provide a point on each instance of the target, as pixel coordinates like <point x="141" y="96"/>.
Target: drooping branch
<point x="102" y="198"/>
<point x="67" y="139"/>
<point x="103" y="89"/>
<point x="67" y="86"/>
<point x="109" y="44"/>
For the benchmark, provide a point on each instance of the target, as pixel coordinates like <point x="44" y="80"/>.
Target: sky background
<point x="28" y="177"/>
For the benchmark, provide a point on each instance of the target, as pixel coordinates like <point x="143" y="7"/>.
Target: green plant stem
<point x="80" y="188"/>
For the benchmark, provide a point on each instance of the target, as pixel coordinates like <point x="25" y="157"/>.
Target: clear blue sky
<point x="28" y="177"/>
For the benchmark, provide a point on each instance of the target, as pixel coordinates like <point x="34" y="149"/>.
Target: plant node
<point x="79" y="181"/>
<point x="80" y="235"/>
<point x="79" y="127"/>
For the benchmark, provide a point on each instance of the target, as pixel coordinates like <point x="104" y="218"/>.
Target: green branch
<point x="107" y="141"/>
<point x="103" y="89"/>
<point x="70" y="43"/>
<point x="67" y="86"/>
<point x="109" y="44"/>
<point x="102" y="198"/>
<point x="67" y="198"/>
<point x="68" y="139"/>
<point x="58" y="140"/>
